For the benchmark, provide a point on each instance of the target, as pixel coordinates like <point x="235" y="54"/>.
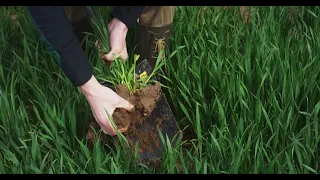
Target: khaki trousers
<point x="157" y="16"/>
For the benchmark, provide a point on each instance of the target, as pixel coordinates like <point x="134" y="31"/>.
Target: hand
<point x="118" y="32"/>
<point x="102" y="99"/>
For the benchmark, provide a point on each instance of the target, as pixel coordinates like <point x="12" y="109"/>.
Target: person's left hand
<point x="117" y="38"/>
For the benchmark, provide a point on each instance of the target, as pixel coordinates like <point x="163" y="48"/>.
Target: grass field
<point x="249" y="92"/>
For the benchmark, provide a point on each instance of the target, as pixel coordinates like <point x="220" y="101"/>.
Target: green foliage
<point x="249" y="93"/>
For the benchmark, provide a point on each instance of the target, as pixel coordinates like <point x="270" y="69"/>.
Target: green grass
<point x="121" y="71"/>
<point x="250" y="93"/>
<point x="100" y="26"/>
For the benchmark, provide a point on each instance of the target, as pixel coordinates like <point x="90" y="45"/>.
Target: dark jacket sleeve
<point x="57" y="30"/>
<point x="127" y="14"/>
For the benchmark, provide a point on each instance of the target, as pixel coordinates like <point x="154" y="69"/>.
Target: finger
<point x="107" y="129"/>
<point x="122" y="130"/>
<point x="110" y="56"/>
<point x="125" y="104"/>
<point x="124" y="54"/>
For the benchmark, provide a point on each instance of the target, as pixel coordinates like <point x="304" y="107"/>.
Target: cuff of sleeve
<point x="77" y="67"/>
<point x="127" y="14"/>
<point x="80" y="74"/>
<point x="84" y="76"/>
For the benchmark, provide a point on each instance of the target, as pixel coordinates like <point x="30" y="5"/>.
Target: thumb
<point x="110" y="56"/>
<point x="125" y="105"/>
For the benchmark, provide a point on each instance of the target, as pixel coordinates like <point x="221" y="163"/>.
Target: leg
<point x="153" y="32"/>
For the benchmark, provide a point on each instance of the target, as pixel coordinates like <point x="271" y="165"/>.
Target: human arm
<point x="53" y="24"/>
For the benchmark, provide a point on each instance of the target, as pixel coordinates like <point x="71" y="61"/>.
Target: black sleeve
<point x="127" y="14"/>
<point x="57" y="29"/>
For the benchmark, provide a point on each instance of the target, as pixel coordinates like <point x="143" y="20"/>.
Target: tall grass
<point x="257" y="87"/>
<point x="122" y="71"/>
<point x="248" y="91"/>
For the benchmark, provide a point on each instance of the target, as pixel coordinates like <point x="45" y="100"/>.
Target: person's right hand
<point x="118" y="32"/>
<point x="102" y="100"/>
<point x="117" y="39"/>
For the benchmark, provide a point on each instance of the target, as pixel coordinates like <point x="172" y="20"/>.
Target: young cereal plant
<point x="121" y="71"/>
<point x="124" y="73"/>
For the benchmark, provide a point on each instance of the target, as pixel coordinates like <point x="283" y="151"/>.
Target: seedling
<point x="152" y="111"/>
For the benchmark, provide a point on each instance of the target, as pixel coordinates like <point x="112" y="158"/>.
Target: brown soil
<point x="144" y="101"/>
